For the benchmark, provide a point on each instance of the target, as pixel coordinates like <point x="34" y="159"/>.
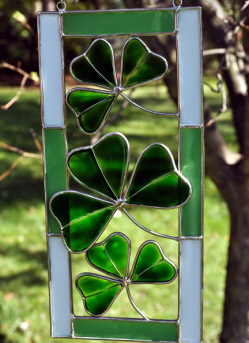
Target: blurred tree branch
<point x="26" y="76"/>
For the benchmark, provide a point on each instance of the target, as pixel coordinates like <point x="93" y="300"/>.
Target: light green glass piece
<point x="55" y="172"/>
<point x="191" y="161"/>
<point x="111" y="255"/>
<point x="111" y="154"/>
<point x="96" y="65"/>
<point x="118" y="22"/>
<point x="151" y="266"/>
<point x="82" y="218"/>
<point x="140" y="65"/>
<point x="155" y="182"/>
<point x="98" y="293"/>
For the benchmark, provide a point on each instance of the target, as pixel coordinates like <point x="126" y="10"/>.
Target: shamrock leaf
<point x="102" y="168"/>
<point x="97" y="67"/>
<point x="112" y="257"/>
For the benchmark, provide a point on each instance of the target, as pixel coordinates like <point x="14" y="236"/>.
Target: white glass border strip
<point x="190" y="66"/>
<point x="51" y="67"/>
<point x="191" y="291"/>
<point x="60" y="288"/>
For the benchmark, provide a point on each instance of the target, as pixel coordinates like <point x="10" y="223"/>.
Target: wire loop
<point x="177" y="4"/>
<point x="61" y="6"/>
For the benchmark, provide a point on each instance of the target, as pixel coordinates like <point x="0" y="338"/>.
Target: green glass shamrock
<point x="102" y="168"/>
<point x="112" y="257"/>
<point x="97" y="67"/>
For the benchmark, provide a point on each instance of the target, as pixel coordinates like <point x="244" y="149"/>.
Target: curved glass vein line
<point x="148" y="110"/>
<point x="148" y="230"/>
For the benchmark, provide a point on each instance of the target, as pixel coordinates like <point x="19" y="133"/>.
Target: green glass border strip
<point x="191" y="163"/>
<point x="55" y="170"/>
<point x="98" y="23"/>
<point x="125" y="330"/>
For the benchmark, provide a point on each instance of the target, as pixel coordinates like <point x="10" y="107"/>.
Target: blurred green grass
<point x="24" y="309"/>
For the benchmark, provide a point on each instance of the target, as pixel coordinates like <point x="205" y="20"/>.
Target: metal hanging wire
<point x="177" y="4"/>
<point x="61" y="5"/>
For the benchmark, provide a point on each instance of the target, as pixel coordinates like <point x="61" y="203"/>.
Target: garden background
<point x="24" y="313"/>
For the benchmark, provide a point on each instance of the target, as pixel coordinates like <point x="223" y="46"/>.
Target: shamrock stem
<point x="147" y="110"/>
<point x="134" y="305"/>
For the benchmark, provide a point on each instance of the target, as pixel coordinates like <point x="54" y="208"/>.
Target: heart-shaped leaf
<point x="140" y="65"/>
<point x="98" y="292"/>
<point x="111" y="256"/>
<point x="96" y="66"/>
<point x="152" y="266"/>
<point x="156" y="182"/>
<point x="90" y="106"/>
<point x="103" y="166"/>
<point x="82" y="218"/>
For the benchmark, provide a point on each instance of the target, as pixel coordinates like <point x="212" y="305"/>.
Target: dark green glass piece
<point x="155" y="182"/>
<point x="153" y="164"/>
<point x="91" y="120"/>
<point x="151" y="266"/>
<point x="169" y="191"/>
<point x="140" y="65"/>
<point x="134" y="53"/>
<point x="55" y="171"/>
<point x="81" y="99"/>
<point x="111" y="154"/>
<point x="84" y="167"/>
<point x="111" y="255"/>
<point x="82" y="218"/>
<point x="96" y="65"/>
<point x="81" y="234"/>
<point x="191" y="161"/>
<point x="100" y="55"/>
<point x="97" y="292"/>
<point x="118" y="22"/>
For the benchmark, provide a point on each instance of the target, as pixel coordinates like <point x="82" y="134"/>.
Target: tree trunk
<point x="48" y="5"/>
<point x="236" y="307"/>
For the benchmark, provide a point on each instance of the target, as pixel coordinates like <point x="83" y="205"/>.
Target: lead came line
<point x="112" y="262"/>
<point x="99" y="72"/>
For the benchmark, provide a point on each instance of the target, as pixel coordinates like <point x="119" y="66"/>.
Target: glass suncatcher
<point x="76" y="220"/>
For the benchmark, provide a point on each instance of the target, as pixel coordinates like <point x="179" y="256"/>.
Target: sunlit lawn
<point x="23" y="275"/>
